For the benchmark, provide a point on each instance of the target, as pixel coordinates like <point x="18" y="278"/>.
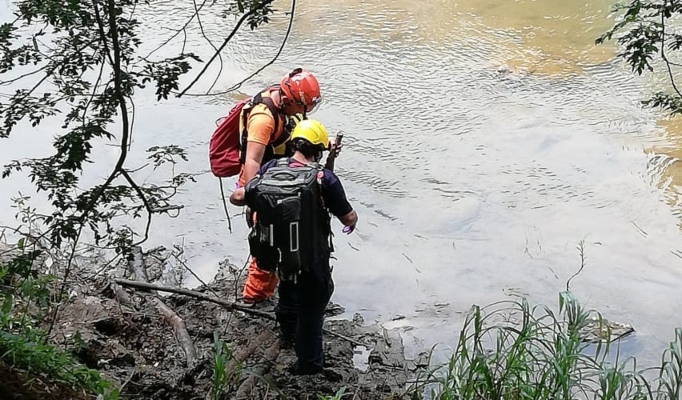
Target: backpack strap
<point x="275" y="114"/>
<point x="259" y="99"/>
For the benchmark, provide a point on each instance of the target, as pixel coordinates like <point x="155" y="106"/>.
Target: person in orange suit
<point x="298" y="93"/>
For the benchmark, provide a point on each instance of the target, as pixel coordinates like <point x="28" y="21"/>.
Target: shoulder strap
<point x="275" y="115"/>
<point x="283" y="162"/>
<point x="257" y="99"/>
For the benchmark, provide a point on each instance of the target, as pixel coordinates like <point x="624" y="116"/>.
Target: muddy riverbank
<point x="158" y="346"/>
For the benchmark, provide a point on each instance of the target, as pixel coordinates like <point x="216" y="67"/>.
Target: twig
<point x="201" y="28"/>
<point x="182" y="29"/>
<point x="132" y="373"/>
<point x="227" y="213"/>
<point x="184" y="264"/>
<point x="8" y="82"/>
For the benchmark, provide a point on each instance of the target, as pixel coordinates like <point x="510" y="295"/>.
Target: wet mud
<point x="233" y="354"/>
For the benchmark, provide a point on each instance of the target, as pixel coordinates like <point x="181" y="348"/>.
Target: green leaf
<point x="8" y="303"/>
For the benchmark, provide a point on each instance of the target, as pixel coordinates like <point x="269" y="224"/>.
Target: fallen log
<point x="246" y="388"/>
<point x="192" y="293"/>
<point x="227" y="304"/>
<point x="171" y="317"/>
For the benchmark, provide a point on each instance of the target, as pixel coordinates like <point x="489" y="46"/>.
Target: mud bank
<point x="158" y="346"/>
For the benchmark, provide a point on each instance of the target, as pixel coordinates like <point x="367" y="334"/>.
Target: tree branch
<point x="201" y="27"/>
<point x="258" y="7"/>
<point x="144" y="201"/>
<point x="182" y="29"/>
<point x="227" y="304"/>
<point x="272" y="61"/>
<point x="279" y="52"/>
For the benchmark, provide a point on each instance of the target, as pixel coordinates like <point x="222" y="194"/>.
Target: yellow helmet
<point x="312" y="131"/>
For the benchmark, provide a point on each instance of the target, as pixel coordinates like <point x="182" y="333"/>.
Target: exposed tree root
<point x="245" y="389"/>
<point x="242" y="355"/>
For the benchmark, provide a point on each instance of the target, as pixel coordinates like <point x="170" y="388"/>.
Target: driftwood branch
<point x="195" y="294"/>
<point x="227" y="304"/>
<point x="171" y="317"/>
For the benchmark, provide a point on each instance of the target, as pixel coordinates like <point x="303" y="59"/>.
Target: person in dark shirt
<point x="301" y="304"/>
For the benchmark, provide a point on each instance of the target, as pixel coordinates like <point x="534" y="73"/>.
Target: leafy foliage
<point x="78" y="63"/>
<point x="93" y="101"/>
<point x="258" y="11"/>
<point x="647" y="42"/>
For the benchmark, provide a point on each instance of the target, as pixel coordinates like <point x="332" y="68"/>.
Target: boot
<point x="287" y="332"/>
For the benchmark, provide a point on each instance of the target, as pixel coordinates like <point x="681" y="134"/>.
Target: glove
<point x="348" y="229"/>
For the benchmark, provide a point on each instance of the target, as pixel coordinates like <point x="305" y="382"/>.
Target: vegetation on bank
<point x="514" y="351"/>
<point x="26" y="354"/>
<point x="508" y="350"/>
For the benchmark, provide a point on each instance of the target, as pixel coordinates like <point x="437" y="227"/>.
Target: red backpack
<point x="227" y="147"/>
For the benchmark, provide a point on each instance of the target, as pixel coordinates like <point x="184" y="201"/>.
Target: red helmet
<point x="301" y="87"/>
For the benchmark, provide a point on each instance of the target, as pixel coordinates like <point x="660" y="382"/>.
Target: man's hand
<point x="335" y="150"/>
<point x="349" y="221"/>
<point x="237" y="197"/>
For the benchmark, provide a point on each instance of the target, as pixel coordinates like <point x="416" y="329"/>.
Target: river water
<point x="483" y="141"/>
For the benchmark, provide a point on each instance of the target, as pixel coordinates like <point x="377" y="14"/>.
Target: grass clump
<point x="26" y="302"/>
<point x="511" y="351"/>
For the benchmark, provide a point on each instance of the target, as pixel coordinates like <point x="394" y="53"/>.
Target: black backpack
<point x="288" y="206"/>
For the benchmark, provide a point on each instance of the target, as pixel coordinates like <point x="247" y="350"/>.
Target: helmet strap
<point x="318" y="156"/>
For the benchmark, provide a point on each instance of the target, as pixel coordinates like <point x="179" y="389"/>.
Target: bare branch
<point x="227" y="213"/>
<point x="279" y="52"/>
<point x="665" y="57"/>
<point x="201" y="27"/>
<point x="20" y="77"/>
<point x="258" y="7"/>
<point x="182" y="29"/>
<point x="145" y="202"/>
